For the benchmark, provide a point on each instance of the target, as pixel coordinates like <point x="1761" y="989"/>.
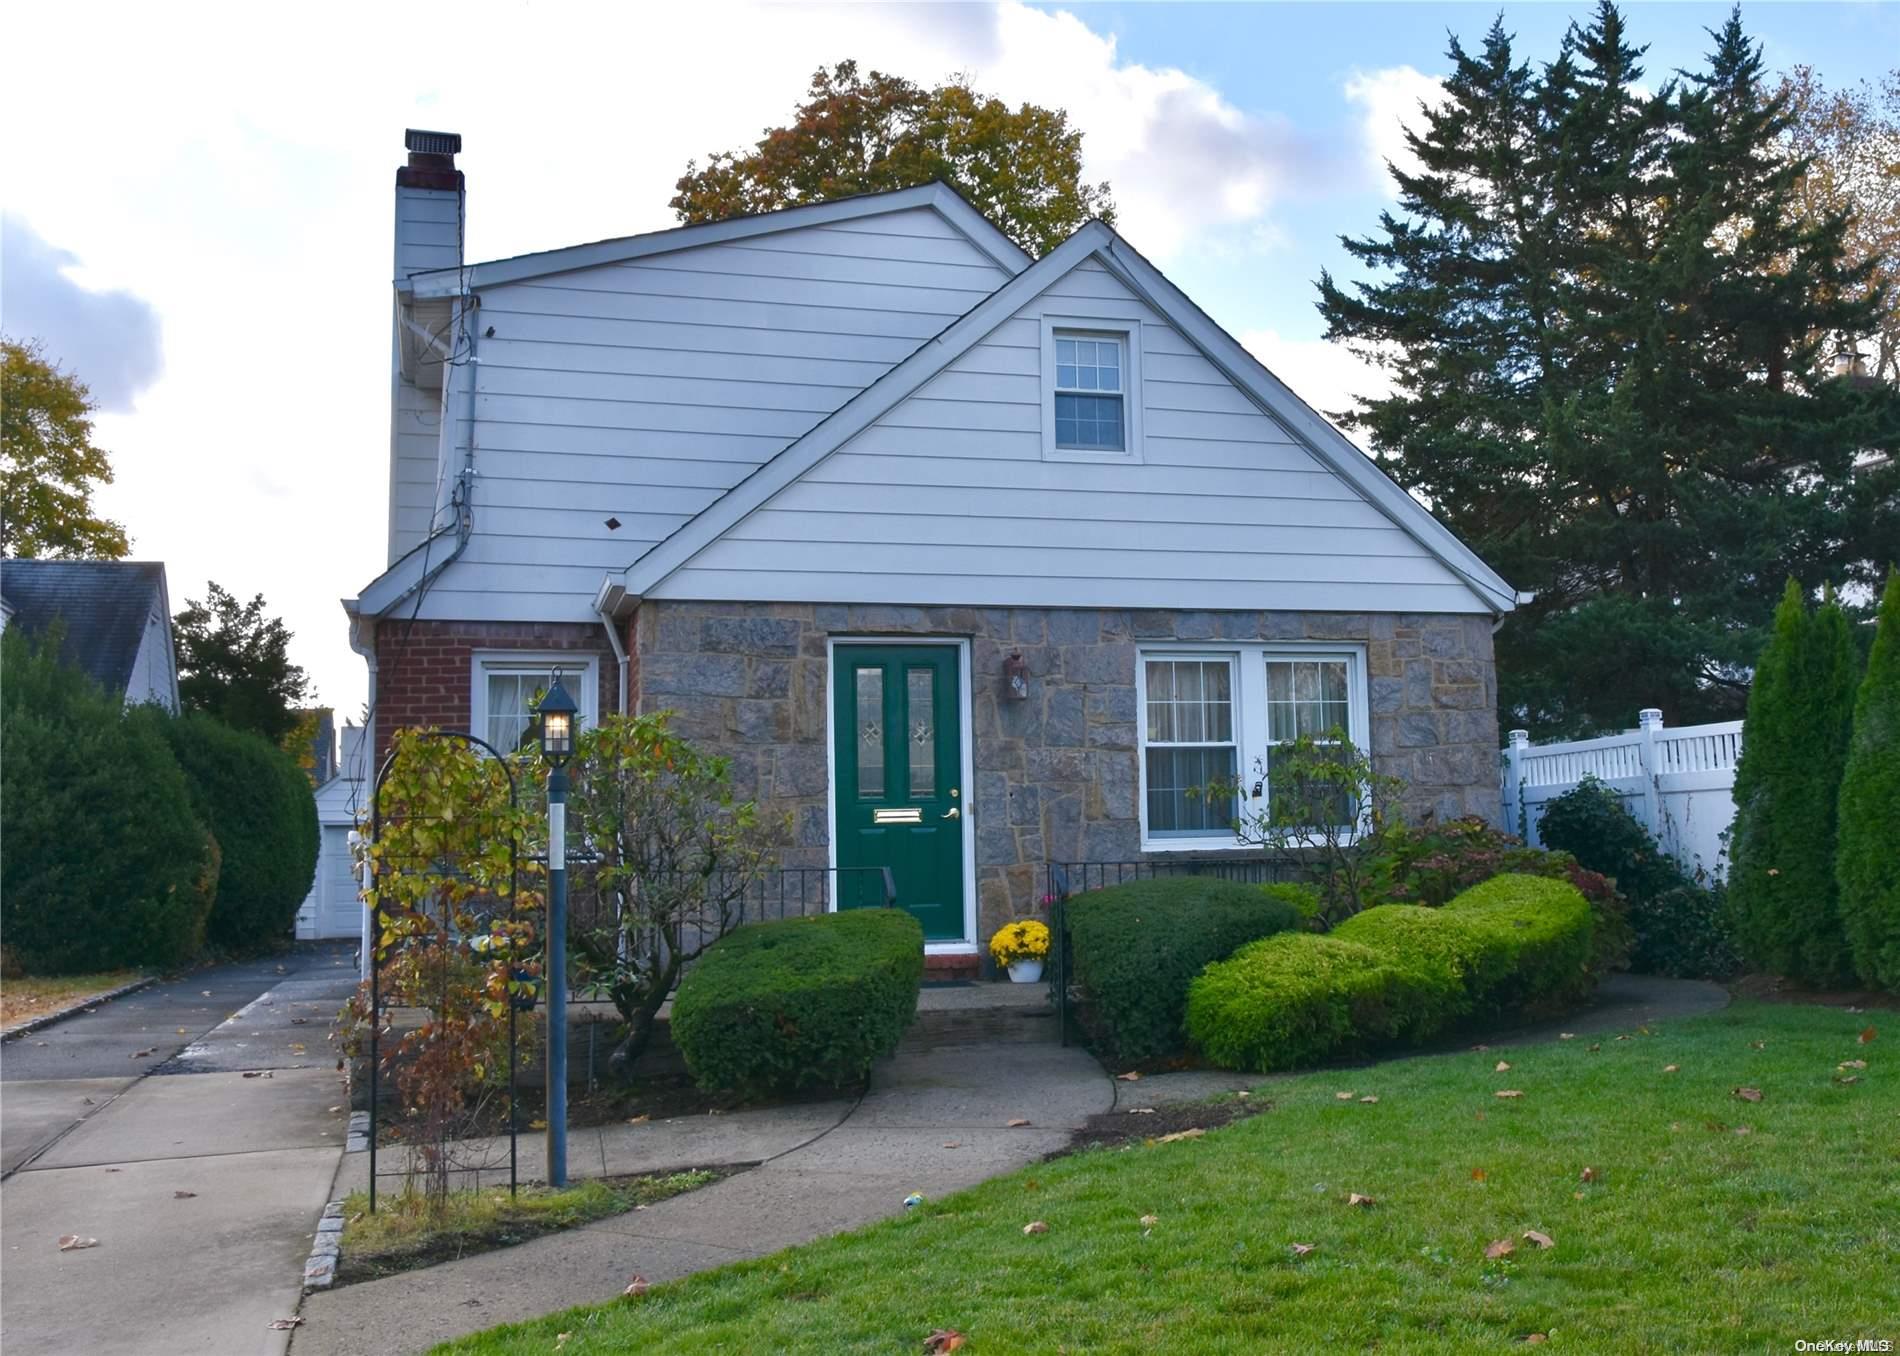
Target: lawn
<point x="405" y="1234"/>
<point x="21" y="1000"/>
<point x="1681" y="1215"/>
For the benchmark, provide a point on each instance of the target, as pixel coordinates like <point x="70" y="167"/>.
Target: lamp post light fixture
<point x="558" y="716"/>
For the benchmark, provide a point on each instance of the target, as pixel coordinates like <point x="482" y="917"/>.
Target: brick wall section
<point x="423" y="670"/>
<point x="1056" y="774"/>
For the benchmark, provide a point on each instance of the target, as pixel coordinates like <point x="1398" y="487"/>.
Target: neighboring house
<point x="334" y="907"/>
<point x="971" y="562"/>
<point x="117" y="619"/>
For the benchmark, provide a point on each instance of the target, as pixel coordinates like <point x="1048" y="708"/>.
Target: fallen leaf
<point x="1192" y="1132"/>
<point x="537" y="1125"/>
<point x="1533" y="1338"/>
<point x="1477" y="1174"/>
<point x="1149" y="1221"/>
<point x="1354" y="1198"/>
<point x="1017" y="1124"/>
<point x="1578" y="1195"/>
<point x="641" y="1119"/>
<point x="1867" y="1036"/>
<point x="1623" y="1037"/>
<point x="1243" y="1093"/>
<point x="1139" y="1110"/>
<point x="1846" y="1078"/>
<point x="205" y="992"/>
<point x="284" y="1324"/>
<point x="1747" y="1094"/>
<point x="1501" y="1067"/>
<point x="1502" y="1247"/>
<point x="953" y="1144"/>
<point x="183" y="1195"/>
<point x="1368" y="1098"/>
<point x="1342" y="1096"/>
<point x="1480" y="1049"/>
<point x="1595" y="1047"/>
<point x="636" y="1287"/>
<point x="1852" y="1064"/>
<point x="1589" y="1174"/>
<point x="1744" y="1130"/>
<point x="141" y="1054"/>
<point x="182" y="1031"/>
<point x="74" y="1242"/>
<point x="1508" y="1093"/>
<point x="560" y="1339"/>
<point x="1542" y="1240"/>
<point x="300" y="1021"/>
<point x="1036" y="1226"/>
<point x="1758" y="1045"/>
<point x="1672" y="1068"/>
<point x="254" y="1073"/>
<point x="943" y="1340"/>
<point x="1566" y="1035"/>
<point x="295" y="1048"/>
<point x="1301" y="1249"/>
<point x="1132" y="1076"/>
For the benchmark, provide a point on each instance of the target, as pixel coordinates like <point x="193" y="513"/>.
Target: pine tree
<point x="1794" y="745"/>
<point x="1608" y="323"/>
<point x="1867" y="862"/>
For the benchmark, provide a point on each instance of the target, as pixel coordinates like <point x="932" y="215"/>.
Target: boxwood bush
<point x="105" y="865"/>
<point x="773" y="1007"/>
<point x="1544" y="928"/>
<point x="1136" y="947"/>
<point x="259" y="805"/>
<point x="1297" y="998"/>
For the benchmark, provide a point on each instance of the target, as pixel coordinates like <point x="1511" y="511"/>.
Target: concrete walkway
<point x="136" y="1125"/>
<point x="933" y="1121"/>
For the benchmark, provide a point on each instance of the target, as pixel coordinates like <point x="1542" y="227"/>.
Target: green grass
<point x="1693" y="1236"/>
<point x="405" y="1233"/>
<point x="23" y="999"/>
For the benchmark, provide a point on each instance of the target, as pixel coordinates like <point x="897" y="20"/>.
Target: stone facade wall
<point x="1056" y="775"/>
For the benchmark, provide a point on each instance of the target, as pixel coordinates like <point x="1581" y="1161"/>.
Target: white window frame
<point x="1128" y="333"/>
<point x="580" y="671"/>
<point x="1250" y="722"/>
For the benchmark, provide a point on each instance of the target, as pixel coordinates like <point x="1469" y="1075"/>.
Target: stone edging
<point x="320" y="1271"/>
<point x="357" y="1140"/>
<point x="47" y="1019"/>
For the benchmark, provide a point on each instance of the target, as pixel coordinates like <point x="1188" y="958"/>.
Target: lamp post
<point x="558" y="717"/>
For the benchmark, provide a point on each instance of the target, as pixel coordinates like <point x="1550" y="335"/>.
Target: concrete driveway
<point x="137" y="1125"/>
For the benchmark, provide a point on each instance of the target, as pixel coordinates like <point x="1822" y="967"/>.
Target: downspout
<point x="366" y="751"/>
<point x="604" y="604"/>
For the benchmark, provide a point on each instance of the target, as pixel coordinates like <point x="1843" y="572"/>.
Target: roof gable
<point x="1335" y="459"/>
<point x="938" y="196"/>
<point x="105" y="606"/>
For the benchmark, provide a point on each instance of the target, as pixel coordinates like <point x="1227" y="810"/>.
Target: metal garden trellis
<point x="377" y="950"/>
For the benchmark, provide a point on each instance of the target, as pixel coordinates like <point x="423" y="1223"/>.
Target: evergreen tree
<point x="234" y="664"/>
<point x="1794" y="746"/>
<point x="1867" y="862"/>
<point x="1608" y="326"/>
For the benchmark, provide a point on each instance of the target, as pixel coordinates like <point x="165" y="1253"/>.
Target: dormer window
<point x="1089" y="393"/>
<point x="1091" y="389"/>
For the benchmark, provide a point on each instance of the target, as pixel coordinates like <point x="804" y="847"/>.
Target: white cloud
<point x="235" y="170"/>
<point x="110" y="339"/>
<point x="1327" y="376"/>
<point x="1389" y="101"/>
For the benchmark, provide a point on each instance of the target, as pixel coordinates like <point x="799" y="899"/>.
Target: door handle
<point x="951" y="813"/>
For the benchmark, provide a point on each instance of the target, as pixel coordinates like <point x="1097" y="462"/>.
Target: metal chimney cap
<point x="431" y="143"/>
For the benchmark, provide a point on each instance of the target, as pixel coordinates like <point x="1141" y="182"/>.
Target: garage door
<point x="339" y="908"/>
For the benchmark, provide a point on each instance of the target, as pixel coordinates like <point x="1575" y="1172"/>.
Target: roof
<point x="981" y="232"/>
<point x="1094" y="240"/>
<point x="105" y="605"/>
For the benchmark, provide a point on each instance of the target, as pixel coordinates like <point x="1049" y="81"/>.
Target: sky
<point x="197" y="199"/>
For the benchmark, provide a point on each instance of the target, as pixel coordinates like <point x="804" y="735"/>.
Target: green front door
<point x="899" y="794"/>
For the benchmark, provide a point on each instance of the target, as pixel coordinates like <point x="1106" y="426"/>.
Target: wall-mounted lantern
<point x="1016" y="678"/>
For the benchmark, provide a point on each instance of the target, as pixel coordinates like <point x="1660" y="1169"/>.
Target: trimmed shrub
<point x="1680" y="927"/>
<point x="1781" y="882"/>
<point x="1463" y="960"/>
<point x="1544" y="929"/>
<point x="1867" y="860"/>
<point x="105" y="865"/>
<point x="259" y="806"/>
<point x="1296" y="999"/>
<point x="773" y="1007"/>
<point x="1138" y="945"/>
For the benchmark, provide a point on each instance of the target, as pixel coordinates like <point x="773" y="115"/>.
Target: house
<point x="334" y="907"/>
<point x="971" y="562"/>
<point x="116" y="615"/>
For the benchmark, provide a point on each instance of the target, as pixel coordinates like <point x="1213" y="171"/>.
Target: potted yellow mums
<point x="1019" y="948"/>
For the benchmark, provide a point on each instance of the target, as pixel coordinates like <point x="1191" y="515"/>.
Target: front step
<point x="979" y="1014"/>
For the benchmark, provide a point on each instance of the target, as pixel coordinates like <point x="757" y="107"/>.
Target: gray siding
<point x="643" y="390"/>
<point x="427" y="236"/>
<point x="947" y="499"/>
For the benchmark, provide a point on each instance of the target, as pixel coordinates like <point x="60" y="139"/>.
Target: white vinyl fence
<point x="1678" y="783"/>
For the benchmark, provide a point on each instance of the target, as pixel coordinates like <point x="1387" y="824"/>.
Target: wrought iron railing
<point x="1068" y="879"/>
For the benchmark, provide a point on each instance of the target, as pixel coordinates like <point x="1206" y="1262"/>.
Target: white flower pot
<point x="1025" y="971"/>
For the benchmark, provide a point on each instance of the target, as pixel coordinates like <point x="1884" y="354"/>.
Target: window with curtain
<point x="1309" y="697"/>
<point x="1191" y="757"/>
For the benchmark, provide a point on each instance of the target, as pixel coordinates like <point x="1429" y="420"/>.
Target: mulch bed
<point x="1136" y="1124"/>
<point x="1774" y="989"/>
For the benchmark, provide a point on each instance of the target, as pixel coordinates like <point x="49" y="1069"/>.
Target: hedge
<point x="105" y="866"/>
<point x="1867" y="862"/>
<point x="259" y="806"/>
<point x="773" y="1007"/>
<point x="1138" y="945"/>
<point x="1395" y="973"/>
<point x="1299" y="998"/>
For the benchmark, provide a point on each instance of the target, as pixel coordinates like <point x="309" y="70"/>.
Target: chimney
<point x="429" y="220"/>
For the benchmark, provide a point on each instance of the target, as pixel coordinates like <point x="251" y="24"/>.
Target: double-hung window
<point x="1190" y="753"/>
<point x="1217" y="725"/>
<point x="1091" y="393"/>
<point x="505" y="686"/>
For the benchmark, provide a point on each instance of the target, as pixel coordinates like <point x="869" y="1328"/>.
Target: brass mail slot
<point x="897" y="816"/>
